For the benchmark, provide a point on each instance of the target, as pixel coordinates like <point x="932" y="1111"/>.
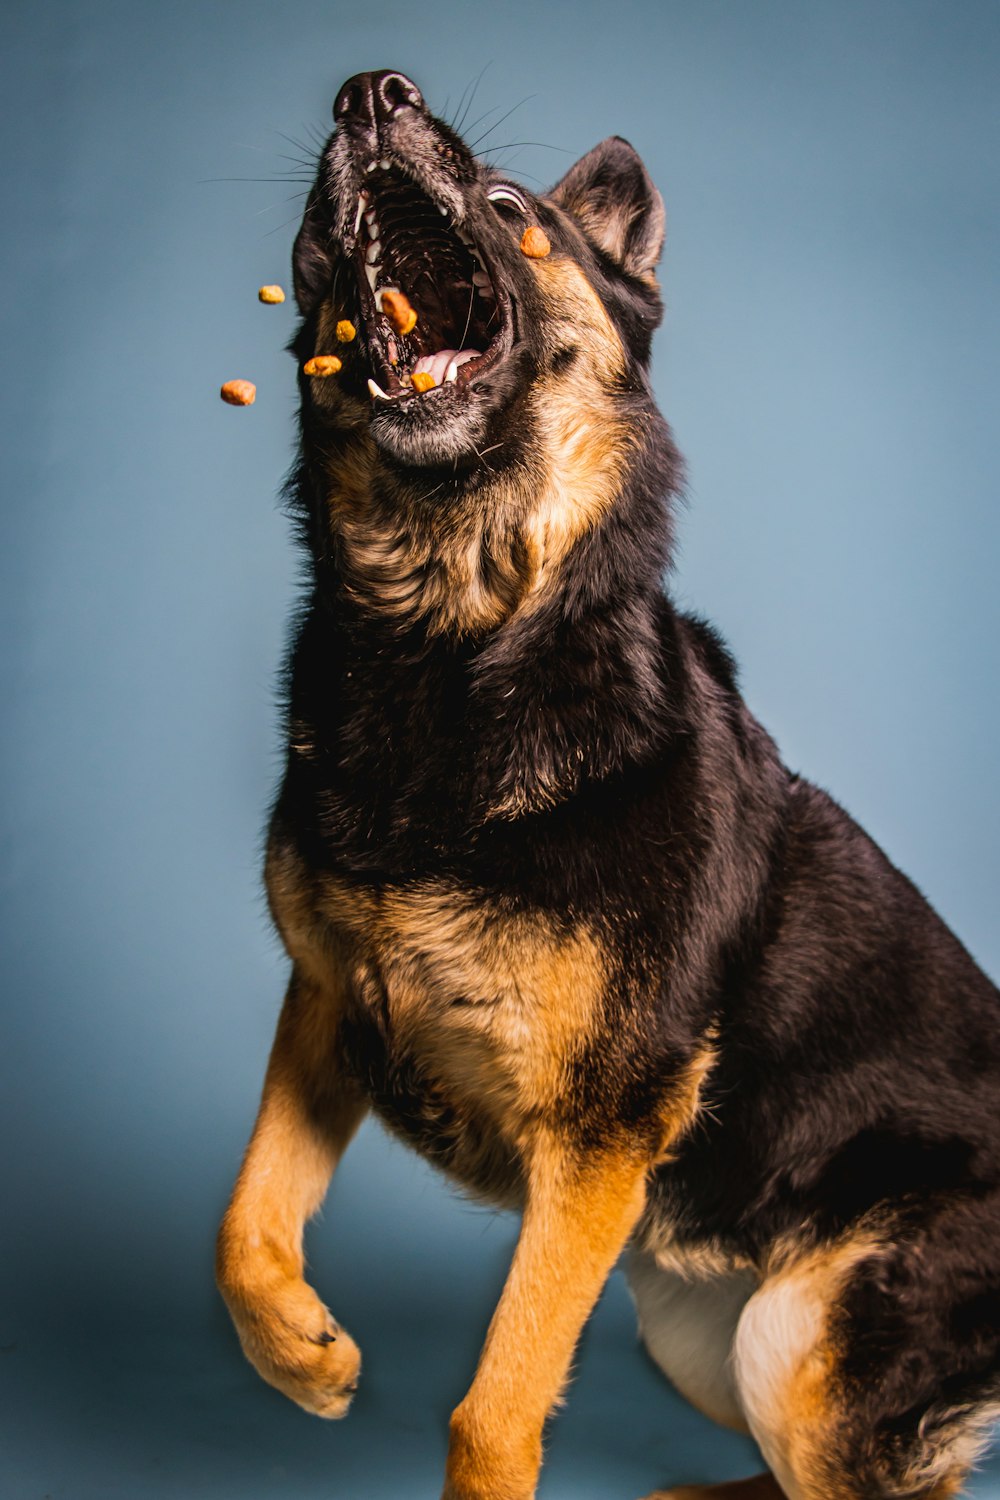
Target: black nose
<point x="369" y="100"/>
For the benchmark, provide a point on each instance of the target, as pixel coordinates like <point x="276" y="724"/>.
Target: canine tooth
<point x="377" y="393"/>
<point x="384" y="164"/>
<point x="371" y="166"/>
<point x="361" y="209"/>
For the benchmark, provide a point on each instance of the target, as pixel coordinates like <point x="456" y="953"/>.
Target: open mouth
<point x="405" y="242"/>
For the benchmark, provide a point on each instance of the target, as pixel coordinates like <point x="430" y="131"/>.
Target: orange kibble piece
<point x="322" y="365"/>
<point x="271" y="294"/>
<point x="399" y="312"/>
<point x="423" y="380"/>
<point x="345" y="331"/>
<point x="535" y="242"/>
<point x="239" y="392"/>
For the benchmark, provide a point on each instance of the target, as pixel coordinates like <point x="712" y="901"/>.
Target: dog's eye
<point x="507" y="197"/>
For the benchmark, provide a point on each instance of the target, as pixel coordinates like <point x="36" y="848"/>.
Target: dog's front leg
<point x="579" y="1212"/>
<point x="308" y="1113"/>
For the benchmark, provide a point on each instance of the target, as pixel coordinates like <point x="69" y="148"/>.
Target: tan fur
<point x="576" y="1221"/>
<point x="499" y="1003"/>
<point x="761" y="1487"/>
<point x="307" y="1117"/>
<point x="499" y="552"/>
<point x="766" y="1487"/>
<point x="786" y="1359"/>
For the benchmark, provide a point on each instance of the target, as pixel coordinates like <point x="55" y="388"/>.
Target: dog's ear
<point x="311" y="264"/>
<point x="612" y="195"/>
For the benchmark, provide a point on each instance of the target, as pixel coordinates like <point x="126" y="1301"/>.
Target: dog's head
<point x="539" y="363"/>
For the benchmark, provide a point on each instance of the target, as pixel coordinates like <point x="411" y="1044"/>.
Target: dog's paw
<point x="295" y="1345"/>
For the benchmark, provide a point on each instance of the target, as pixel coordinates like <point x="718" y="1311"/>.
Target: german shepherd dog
<point x="554" y="907"/>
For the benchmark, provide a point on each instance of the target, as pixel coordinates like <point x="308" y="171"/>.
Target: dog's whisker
<point x="293" y="197"/>
<point x="496" y="125"/>
<point x="545" y="145"/>
<point x="479" y="78"/>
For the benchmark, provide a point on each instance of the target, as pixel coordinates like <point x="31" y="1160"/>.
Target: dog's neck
<point x="510" y="633"/>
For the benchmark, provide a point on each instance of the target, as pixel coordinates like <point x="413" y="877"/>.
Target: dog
<point x="555" y="909"/>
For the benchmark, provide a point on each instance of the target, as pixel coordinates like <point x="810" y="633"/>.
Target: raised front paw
<point x="294" y="1344"/>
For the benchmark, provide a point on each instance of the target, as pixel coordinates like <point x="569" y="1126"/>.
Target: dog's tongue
<point x="443" y="366"/>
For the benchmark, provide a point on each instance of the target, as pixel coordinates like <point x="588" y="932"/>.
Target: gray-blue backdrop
<point x="829" y="361"/>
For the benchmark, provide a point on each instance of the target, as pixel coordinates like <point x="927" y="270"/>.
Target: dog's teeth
<point x="384" y="164"/>
<point x="378" y="294"/>
<point x="377" y="393"/>
<point x="372" y="273"/>
<point x="452" y="371"/>
<point x="361" y="209"/>
<point x="371" y="166"/>
<point x="372" y="253"/>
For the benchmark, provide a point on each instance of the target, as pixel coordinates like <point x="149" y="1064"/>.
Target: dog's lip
<point x="385" y="386"/>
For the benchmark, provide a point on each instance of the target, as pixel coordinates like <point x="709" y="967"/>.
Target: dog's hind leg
<point x="308" y="1113"/>
<point x="867" y="1369"/>
<point x="578" y="1215"/>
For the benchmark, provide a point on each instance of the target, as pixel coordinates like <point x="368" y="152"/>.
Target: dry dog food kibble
<point x="322" y="365"/>
<point x="345" y="331"/>
<point x="535" y="242"/>
<point x="239" y="392"/>
<point x="423" y="380"/>
<point x="271" y="294"/>
<point x="399" y="312"/>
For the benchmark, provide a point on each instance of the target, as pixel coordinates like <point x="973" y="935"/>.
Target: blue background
<point x="829" y="362"/>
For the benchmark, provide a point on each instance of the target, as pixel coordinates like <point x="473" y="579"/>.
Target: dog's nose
<point x="369" y="100"/>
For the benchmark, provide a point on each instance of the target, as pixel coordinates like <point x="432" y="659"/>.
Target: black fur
<point x="858" y="1043"/>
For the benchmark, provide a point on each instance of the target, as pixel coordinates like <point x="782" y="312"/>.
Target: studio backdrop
<point x="828" y="362"/>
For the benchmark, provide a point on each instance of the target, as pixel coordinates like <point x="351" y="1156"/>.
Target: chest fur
<point x="484" y="1006"/>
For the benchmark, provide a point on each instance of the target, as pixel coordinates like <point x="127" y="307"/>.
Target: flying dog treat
<point x="322" y="365"/>
<point x="239" y="392"/>
<point x="535" y="242"/>
<point x="345" y="331"/>
<point x="423" y="380"/>
<point x="399" y="312"/>
<point x="271" y="294"/>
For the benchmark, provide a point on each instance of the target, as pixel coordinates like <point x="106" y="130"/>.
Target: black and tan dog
<point x="555" y="908"/>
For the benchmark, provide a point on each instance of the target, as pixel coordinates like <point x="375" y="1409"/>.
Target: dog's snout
<point x="369" y="100"/>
